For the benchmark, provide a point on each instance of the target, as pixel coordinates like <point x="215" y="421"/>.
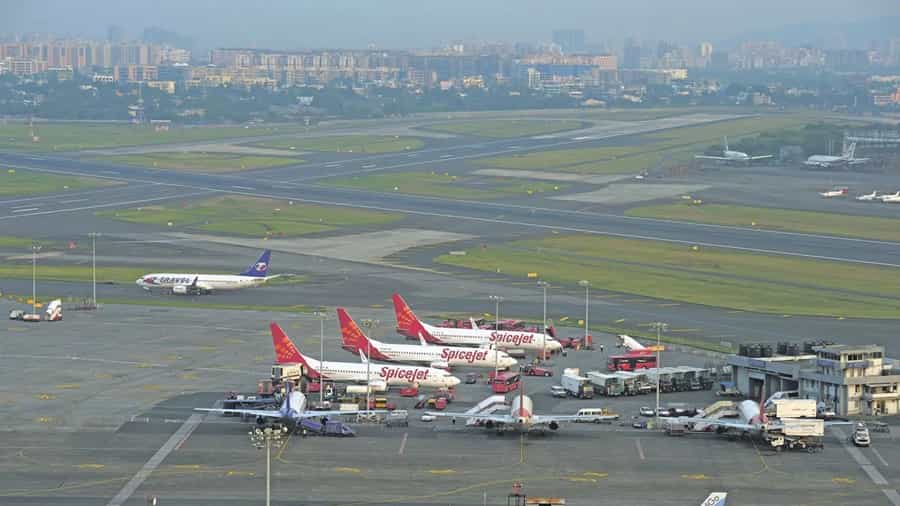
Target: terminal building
<point x="852" y="380"/>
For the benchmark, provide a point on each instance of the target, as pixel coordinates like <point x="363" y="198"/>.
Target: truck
<point x="795" y="408"/>
<point x="577" y="386"/>
<point x="54" y="311"/>
<point x="802" y="427"/>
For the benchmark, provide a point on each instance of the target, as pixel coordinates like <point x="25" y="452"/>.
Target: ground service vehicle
<point x="597" y="415"/>
<point x="533" y="370"/>
<point x="16" y="314"/>
<point x="578" y="386"/>
<point x="398" y="418"/>
<point x="630" y="362"/>
<point x="558" y="391"/>
<point x="861" y="435"/>
<point x="646" y="411"/>
<point x="505" y="382"/>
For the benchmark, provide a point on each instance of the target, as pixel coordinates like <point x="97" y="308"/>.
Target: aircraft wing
<point x="264" y="413"/>
<point x="545" y="419"/>
<point x="730" y="424"/>
<point x="500" y="418"/>
<point x="320" y="414"/>
<point x="761" y="157"/>
<point x="708" y="157"/>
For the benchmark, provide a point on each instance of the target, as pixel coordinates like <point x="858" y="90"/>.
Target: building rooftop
<point x="849" y="348"/>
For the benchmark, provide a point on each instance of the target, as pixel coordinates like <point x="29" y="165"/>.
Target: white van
<point x="596" y="415"/>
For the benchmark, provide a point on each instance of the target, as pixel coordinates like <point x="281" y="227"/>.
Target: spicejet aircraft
<point x="521" y="417"/>
<point x="291" y="412"/>
<point x="378" y="376"/>
<point x="356" y="341"/>
<point x="409" y="325"/>
<point x="202" y="284"/>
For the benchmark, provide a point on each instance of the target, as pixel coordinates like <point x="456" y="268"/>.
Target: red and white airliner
<point x="634" y="347"/>
<point x="378" y="376"/>
<point x="356" y="341"/>
<point x="409" y="325"/>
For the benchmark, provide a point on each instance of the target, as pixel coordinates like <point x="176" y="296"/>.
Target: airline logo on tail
<point x="354" y="339"/>
<point x="407" y="322"/>
<point x="286" y="352"/>
<point x="260" y="268"/>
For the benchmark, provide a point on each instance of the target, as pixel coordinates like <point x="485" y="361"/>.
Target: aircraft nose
<point x="138" y="281"/>
<point x="453" y="381"/>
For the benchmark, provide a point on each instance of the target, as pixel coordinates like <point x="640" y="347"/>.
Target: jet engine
<point x="439" y="364"/>
<point x="553" y="425"/>
<point x="180" y="289"/>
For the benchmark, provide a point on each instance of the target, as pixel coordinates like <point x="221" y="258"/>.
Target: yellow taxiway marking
<point x="354" y="470"/>
<point x="593" y="474"/>
<point x="188" y="466"/>
<point x="16" y="329"/>
<point x="376" y="306"/>
<point x="578" y="478"/>
<point x="442" y="471"/>
<point x="695" y="476"/>
<point x="46" y="397"/>
<point x="684" y="330"/>
<point x="143" y="365"/>
<point x="843" y="480"/>
<point x="44" y="419"/>
<point x="67" y="386"/>
<point x="240" y="473"/>
<point x="620" y="320"/>
<point x="188" y="376"/>
<point x="207" y="348"/>
<point x="103" y="375"/>
<point x="669" y="304"/>
<point x="735" y="311"/>
<point x="173" y="357"/>
<point x="232" y="340"/>
<point x="151" y="388"/>
<point x="91" y="466"/>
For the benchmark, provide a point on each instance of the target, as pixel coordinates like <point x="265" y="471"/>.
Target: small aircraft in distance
<point x="732" y="156"/>
<point x="893" y="198"/>
<point x="837" y="192"/>
<point x="869" y="197"/>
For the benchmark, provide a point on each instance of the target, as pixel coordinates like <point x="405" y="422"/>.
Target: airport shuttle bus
<point x="631" y="362"/>
<point x="505" y="382"/>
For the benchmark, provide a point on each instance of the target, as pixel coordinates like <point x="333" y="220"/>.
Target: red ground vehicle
<point x="533" y="370"/>
<point x="409" y="392"/>
<point x="505" y="382"/>
<point x="631" y="362"/>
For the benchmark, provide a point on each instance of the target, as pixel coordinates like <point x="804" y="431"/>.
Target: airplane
<point x="846" y="158"/>
<point x="837" y="192"/>
<point x="893" y="198"/>
<point x="521" y="417"/>
<point x="409" y="325"/>
<point x="732" y="156"/>
<point x="202" y="284"/>
<point x="869" y="197"/>
<point x="291" y="413"/>
<point x="634" y="347"/>
<point x="377" y="376"/>
<point x="354" y="340"/>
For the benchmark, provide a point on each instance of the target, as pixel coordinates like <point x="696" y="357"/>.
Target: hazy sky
<point x="427" y="23"/>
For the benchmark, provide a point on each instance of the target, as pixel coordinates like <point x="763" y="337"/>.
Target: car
<point x="558" y="391"/>
<point x="646" y="411"/>
<point x="639" y="424"/>
<point x="16" y="314"/>
<point x="533" y="370"/>
<point x="665" y="412"/>
<point x="471" y="378"/>
<point x="861" y="435"/>
<point x="428" y="418"/>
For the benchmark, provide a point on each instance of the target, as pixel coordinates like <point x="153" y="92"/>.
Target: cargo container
<point x="795" y="408"/>
<point x="803" y="427"/>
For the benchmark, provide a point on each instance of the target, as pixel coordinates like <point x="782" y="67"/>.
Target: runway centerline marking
<point x="640" y="449"/>
<point x="25" y="209"/>
<point x="403" y="443"/>
<point x="177" y="439"/>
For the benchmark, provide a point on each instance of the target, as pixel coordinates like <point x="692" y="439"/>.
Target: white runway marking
<point x="25" y="209"/>
<point x="403" y="443"/>
<point x="369" y="166"/>
<point x="72" y="201"/>
<point x="867" y="467"/>
<point x="243" y="187"/>
<point x="877" y="454"/>
<point x="640" y="449"/>
<point x="446" y="156"/>
<point x="177" y="439"/>
<point x="115" y="204"/>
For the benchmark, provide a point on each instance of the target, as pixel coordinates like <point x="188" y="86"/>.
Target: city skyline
<point x="402" y="24"/>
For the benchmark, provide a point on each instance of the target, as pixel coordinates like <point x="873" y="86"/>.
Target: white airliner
<point x="521" y="417"/>
<point x="837" y="192"/>
<point x="732" y="156"/>
<point x="893" y="198"/>
<point x="846" y="158"/>
<point x="202" y="284"/>
<point x="869" y="197"/>
<point x="354" y="340"/>
<point x="409" y="325"/>
<point x="291" y="412"/>
<point x="377" y="376"/>
<point x="634" y="347"/>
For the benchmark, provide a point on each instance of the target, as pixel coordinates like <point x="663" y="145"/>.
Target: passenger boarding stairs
<point x="715" y="411"/>
<point x="487" y="406"/>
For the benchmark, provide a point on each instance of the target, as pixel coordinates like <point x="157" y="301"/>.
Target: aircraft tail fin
<point x="354" y="339"/>
<point x="407" y="322"/>
<point x="715" y="499"/>
<point x="287" y="353"/>
<point x="260" y="268"/>
<point x="851" y="150"/>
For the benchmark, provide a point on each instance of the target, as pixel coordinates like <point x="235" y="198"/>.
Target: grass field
<point x="505" y="128"/>
<point x="80" y="136"/>
<point x="45" y="272"/>
<point x="709" y="276"/>
<point x="444" y="185"/>
<point x="202" y="162"/>
<point x="26" y="182"/>
<point x="868" y="227"/>
<point x="670" y="145"/>
<point x="346" y="144"/>
<point x="22" y="243"/>
<point x="250" y="216"/>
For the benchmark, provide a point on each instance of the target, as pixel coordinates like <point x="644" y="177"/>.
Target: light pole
<point x="497" y="300"/>
<point x="93" y="236"/>
<point x="266" y="438"/>
<point x="369" y="324"/>
<point x="587" y="307"/>
<point x="543" y="284"/>
<point x="660" y="328"/>
<point x="34" y="249"/>
<point x="322" y="316"/>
